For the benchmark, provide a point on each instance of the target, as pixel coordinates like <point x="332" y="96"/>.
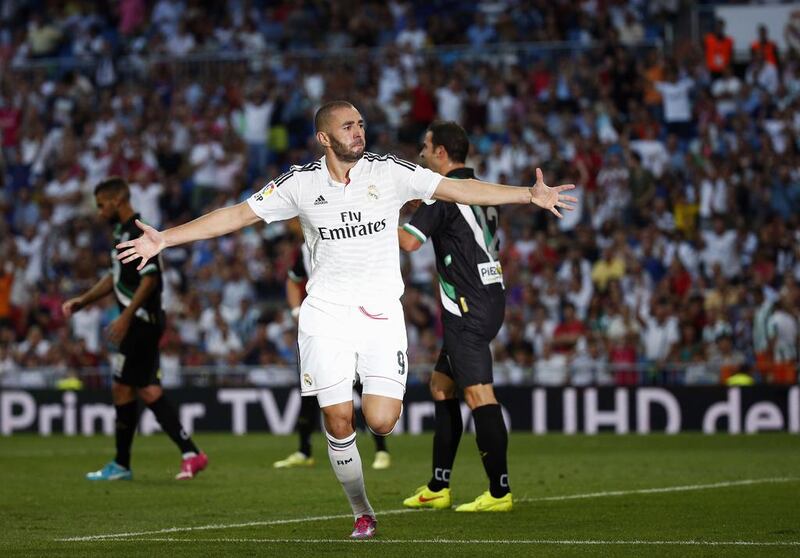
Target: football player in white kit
<point x="351" y="322"/>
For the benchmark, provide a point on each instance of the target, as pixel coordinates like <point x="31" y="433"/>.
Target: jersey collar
<point x="130" y="221"/>
<point x="354" y="173"/>
<point x="462" y="172"/>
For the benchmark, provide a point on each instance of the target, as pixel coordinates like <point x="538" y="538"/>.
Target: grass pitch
<point x="574" y="496"/>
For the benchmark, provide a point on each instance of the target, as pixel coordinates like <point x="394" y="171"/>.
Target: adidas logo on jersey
<point x="320" y="201"/>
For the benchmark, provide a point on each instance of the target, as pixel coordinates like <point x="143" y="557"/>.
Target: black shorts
<point x="138" y="363"/>
<point x="465" y="356"/>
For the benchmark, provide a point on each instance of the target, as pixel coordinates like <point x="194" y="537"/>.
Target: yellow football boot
<point x="297" y="459"/>
<point x="425" y="498"/>
<point x="383" y="460"/>
<point x="487" y="503"/>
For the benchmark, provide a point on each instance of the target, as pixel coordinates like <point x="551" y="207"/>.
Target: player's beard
<point x="344" y="153"/>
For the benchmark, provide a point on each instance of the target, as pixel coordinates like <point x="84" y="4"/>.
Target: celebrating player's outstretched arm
<point x="229" y="219"/>
<point x="217" y="223"/>
<point x="476" y="192"/>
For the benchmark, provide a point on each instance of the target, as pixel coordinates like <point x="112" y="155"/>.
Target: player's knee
<point x="340" y="430"/>
<point x="442" y="387"/>
<point x="339" y="425"/>
<point x="440" y="394"/>
<point x="122" y="394"/>
<point x="479" y="395"/>
<point x="150" y="394"/>
<point x="383" y="425"/>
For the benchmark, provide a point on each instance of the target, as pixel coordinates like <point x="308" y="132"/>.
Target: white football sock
<point x="346" y="463"/>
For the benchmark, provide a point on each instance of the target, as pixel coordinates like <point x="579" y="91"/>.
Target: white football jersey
<point x="350" y="230"/>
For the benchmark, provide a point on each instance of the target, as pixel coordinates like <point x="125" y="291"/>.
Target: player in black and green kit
<point x="473" y="302"/>
<point x="135" y="334"/>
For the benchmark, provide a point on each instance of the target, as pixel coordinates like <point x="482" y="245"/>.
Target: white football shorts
<point x="337" y="342"/>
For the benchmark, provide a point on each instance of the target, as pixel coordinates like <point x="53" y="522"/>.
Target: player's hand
<point x="145" y="247"/>
<point x="117" y="329"/>
<point x="551" y="198"/>
<point x="71" y="306"/>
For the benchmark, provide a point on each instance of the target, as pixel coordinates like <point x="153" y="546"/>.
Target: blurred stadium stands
<point x="680" y="267"/>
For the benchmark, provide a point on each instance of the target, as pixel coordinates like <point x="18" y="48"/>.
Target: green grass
<point x="43" y="498"/>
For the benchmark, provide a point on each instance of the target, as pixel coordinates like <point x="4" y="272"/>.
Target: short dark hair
<point x="452" y="137"/>
<point x="115" y="185"/>
<point x="324" y="112"/>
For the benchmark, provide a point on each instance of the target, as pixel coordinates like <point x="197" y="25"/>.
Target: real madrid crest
<point x="372" y="192"/>
<point x="307" y="380"/>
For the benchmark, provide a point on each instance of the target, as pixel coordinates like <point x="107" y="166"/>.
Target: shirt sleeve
<point x="413" y="181"/>
<point x="153" y="266"/>
<point x="426" y="221"/>
<point x="278" y="200"/>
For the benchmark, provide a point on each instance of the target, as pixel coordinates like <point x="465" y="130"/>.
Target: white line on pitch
<point x="637" y="542"/>
<point x="665" y="489"/>
<point x="224" y="526"/>
<point x="268" y="523"/>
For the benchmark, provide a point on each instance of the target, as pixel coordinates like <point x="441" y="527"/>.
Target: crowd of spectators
<point x="680" y="265"/>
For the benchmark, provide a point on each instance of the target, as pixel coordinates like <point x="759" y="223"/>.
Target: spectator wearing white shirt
<point x="498" y="163"/>
<point x="181" y="42"/>
<point x="676" y="103"/>
<point x="188" y="322"/>
<point x="31" y="244"/>
<point x="653" y="153"/>
<point x="34" y="349"/>
<point x="661" y="216"/>
<point x="86" y="326"/>
<point x="166" y="15"/>
<point x="551" y="368"/>
<point x="230" y="170"/>
<point x="762" y="75"/>
<point x="659" y="337"/>
<point x="725" y="89"/>
<point x="95" y="162"/>
<point x="631" y="31"/>
<point x="204" y="159"/>
<point x="526" y="244"/>
<point x="713" y="194"/>
<point x="716" y="327"/>
<point x="391" y="80"/>
<point x="253" y="125"/>
<point x="720" y="249"/>
<point x="238" y="286"/>
<point x="412" y="36"/>
<point x="222" y="342"/>
<point x="539" y="331"/>
<point x="591" y="366"/>
<point x="251" y="39"/>
<point x="7" y="362"/>
<point x="574" y="262"/>
<point x="498" y="108"/>
<point x="579" y="292"/>
<point x="782" y="334"/>
<point x="64" y="192"/>
<point x="146" y="195"/>
<point x="613" y="193"/>
<point x="450" y="100"/>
